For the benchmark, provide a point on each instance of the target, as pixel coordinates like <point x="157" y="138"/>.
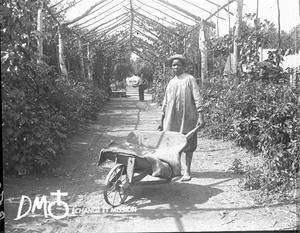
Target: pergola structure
<point x="98" y="23"/>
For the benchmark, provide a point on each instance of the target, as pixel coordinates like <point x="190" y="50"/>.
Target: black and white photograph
<point x="150" y="116"/>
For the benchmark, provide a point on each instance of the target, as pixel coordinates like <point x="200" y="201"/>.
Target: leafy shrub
<point x="160" y="82"/>
<point x="78" y="103"/>
<point x="253" y="179"/>
<point x="38" y="115"/>
<point x="237" y="166"/>
<point x="262" y="114"/>
<point x="33" y="134"/>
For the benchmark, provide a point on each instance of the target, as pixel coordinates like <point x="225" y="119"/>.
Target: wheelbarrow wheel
<point x="117" y="186"/>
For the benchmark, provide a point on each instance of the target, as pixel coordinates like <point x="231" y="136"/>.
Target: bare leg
<point x="188" y="161"/>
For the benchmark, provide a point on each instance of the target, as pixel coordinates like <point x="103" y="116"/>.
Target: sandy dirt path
<point x="211" y="201"/>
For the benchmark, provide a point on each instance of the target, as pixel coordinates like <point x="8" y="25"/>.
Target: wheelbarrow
<point x="155" y="154"/>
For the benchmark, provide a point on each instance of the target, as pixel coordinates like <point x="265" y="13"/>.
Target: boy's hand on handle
<point x="160" y="127"/>
<point x="201" y="123"/>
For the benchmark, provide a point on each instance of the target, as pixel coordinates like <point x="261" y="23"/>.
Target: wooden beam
<point x="219" y="9"/>
<point x="211" y="24"/>
<point x="155" y="22"/>
<point x="96" y="15"/>
<point x="145" y="13"/>
<point x="111" y="40"/>
<point x="107" y="22"/>
<point x="162" y="12"/>
<point x="78" y="35"/>
<point x="95" y="28"/>
<point x="52" y="15"/>
<point x="166" y="43"/>
<point x="143" y="34"/>
<point x="124" y="22"/>
<point x="218" y="6"/>
<point x="86" y="13"/>
<point x="56" y="4"/>
<point x="101" y="19"/>
<point x="172" y="9"/>
<point x="201" y="8"/>
<point x="68" y="7"/>
<point x="226" y="4"/>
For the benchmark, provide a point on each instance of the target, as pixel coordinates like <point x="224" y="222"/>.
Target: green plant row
<point x="39" y="113"/>
<point x="261" y="113"/>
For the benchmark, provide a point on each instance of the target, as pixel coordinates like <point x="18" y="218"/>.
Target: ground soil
<point x="211" y="201"/>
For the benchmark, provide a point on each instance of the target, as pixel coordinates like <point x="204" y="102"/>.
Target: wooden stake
<point x="236" y="38"/>
<point x="279" y="36"/>
<point x="40" y="30"/>
<point x="61" y="56"/>
<point x="81" y="59"/>
<point x="89" y="67"/>
<point x="203" y="51"/>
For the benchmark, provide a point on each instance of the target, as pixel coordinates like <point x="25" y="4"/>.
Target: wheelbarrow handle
<point x="191" y="133"/>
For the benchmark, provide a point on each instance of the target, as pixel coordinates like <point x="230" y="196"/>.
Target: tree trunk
<point x="40" y="31"/>
<point x="61" y="56"/>
<point x="203" y="51"/>
<point x="81" y="59"/>
<point x="236" y="38"/>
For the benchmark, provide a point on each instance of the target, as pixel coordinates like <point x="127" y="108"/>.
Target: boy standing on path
<point x="182" y="107"/>
<point x="142" y="84"/>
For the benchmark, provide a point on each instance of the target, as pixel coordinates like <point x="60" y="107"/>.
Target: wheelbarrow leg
<point x="130" y="168"/>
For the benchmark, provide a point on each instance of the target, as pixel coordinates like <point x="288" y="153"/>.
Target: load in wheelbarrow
<point x="144" y="153"/>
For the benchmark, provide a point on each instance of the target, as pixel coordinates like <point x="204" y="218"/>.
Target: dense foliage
<point x="38" y="115"/>
<point x="261" y="112"/>
<point x="263" y="116"/>
<point x="39" y="109"/>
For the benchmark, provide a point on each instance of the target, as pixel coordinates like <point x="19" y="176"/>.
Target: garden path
<point x="211" y="201"/>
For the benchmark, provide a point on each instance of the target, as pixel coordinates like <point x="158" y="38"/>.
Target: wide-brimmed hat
<point x="179" y="57"/>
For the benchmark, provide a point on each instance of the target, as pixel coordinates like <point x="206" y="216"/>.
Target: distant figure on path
<point x="142" y="85"/>
<point x="182" y="107"/>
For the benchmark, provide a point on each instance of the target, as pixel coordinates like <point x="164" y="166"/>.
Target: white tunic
<point x="181" y="104"/>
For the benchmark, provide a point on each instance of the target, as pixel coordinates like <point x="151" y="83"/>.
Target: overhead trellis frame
<point x="98" y="16"/>
<point x="213" y="14"/>
<point x="201" y="8"/>
<point x="157" y="23"/>
<point x="197" y="18"/>
<point x="136" y="13"/>
<point x="162" y="12"/>
<point x="111" y="24"/>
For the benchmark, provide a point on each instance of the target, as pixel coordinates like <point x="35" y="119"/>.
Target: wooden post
<point x="279" y="36"/>
<point x="89" y="66"/>
<point x="40" y="31"/>
<point x="203" y="51"/>
<point x="279" y="31"/>
<point x="61" y="56"/>
<point x="81" y="59"/>
<point x="236" y="38"/>
<point x="218" y="29"/>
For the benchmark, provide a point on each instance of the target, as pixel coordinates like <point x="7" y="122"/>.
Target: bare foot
<point x="186" y="177"/>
